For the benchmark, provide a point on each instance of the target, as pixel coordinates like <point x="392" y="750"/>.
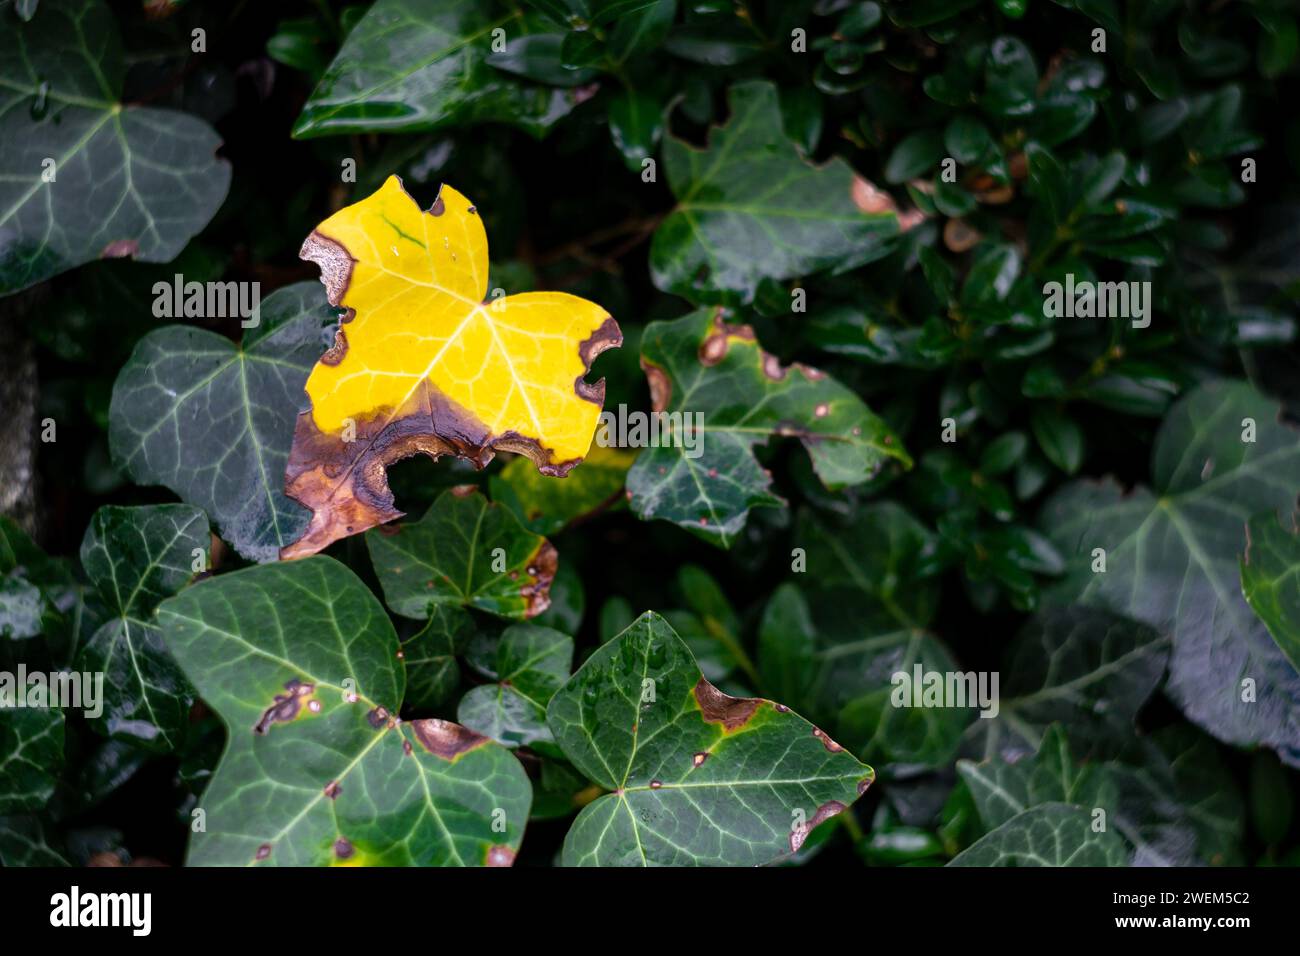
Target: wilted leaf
<point x="527" y="664"/>
<point x="301" y="663"/>
<point x="83" y="176"/>
<point x="418" y="64"/>
<point x="545" y="505"/>
<point x="31" y="752"/>
<point x="1172" y="561"/>
<point x="213" y="421"/>
<point x="136" y="557"/>
<point x="696" y="777"/>
<point x="1270" y="579"/>
<point x="1050" y="834"/>
<point x="422" y="363"/>
<point x="750" y="207"/>
<point x="705" y="477"/>
<point x="468" y="552"/>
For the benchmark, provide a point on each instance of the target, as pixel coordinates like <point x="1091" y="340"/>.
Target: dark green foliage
<point x="877" y="245"/>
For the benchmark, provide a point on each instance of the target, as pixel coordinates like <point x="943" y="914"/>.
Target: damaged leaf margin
<point x="425" y="362"/>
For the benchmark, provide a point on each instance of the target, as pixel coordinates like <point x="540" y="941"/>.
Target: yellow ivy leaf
<point x="422" y="362"/>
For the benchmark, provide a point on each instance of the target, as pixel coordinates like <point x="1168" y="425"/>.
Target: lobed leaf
<point x="301" y="663"/>
<point x="695" y="777"/>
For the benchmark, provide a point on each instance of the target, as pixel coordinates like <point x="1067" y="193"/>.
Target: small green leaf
<point x="136" y="557"/>
<point x="301" y="663"/>
<point x="527" y="664"/>
<point x="695" y="777"/>
<point x="1060" y="438"/>
<point x="706" y="479"/>
<point x="750" y="207"/>
<point x="464" y="552"/>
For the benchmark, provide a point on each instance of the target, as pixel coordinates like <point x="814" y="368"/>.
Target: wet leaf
<point x="1171" y="558"/>
<point x="84" y="176"/>
<point x="527" y="665"/>
<point x="465" y="552"/>
<point x="136" y="557"/>
<point x="423" y="364"/>
<point x="301" y="663"/>
<point x="1270" y="579"/>
<point x="750" y="207"/>
<point x="1050" y="834"/>
<point x="546" y="506"/>
<point x="701" y="368"/>
<point x="695" y="777"/>
<point x="213" y="421"/>
<point x="412" y="65"/>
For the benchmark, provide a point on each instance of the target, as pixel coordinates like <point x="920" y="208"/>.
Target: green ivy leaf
<point x="1084" y="667"/>
<point x="1004" y="790"/>
<point x="699" y="365"/>
<point x="1270" y="580"/>
<point x="412" y="65"/>
<point x="1050" y="834"/>
<point x="527" y="664"/>
<point x="432" y="672"/>
<point x="136" y="557"/>
<point x="301" y="663"/>
<point x="695" y="777"/>
<point x="750" y="207"/>
<point x="31" y="753"/>
<point x="466" y="552"/>
<point x="1171" y="558"/>
<point x="213" y="421"/>
<point x="83" y="176"/>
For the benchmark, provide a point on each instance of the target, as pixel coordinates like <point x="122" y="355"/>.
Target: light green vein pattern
<point x="733" y="783"/>
<point x="340" y="769"/>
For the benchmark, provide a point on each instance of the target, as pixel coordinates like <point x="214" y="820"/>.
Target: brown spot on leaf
<point x="719" y="708"/>
<point x="536" y="589"/>
<point x="772" y="367"/>
<point x="824" y="813"/>
<point x="864" y="783"/>
<point x="439" y="207"/>
<point x="656" y="784"/>
<point x="661" y="387"/>
<point x="285" y="707"/>
<point x="120" y="249"/>
<point x="332" y="789"/>
<point x="336" y="351"/>
<point x="377" y="717"/>
<point x="263" y="852"/>
<point x="699" y="758"/>
<point x="343" y="849"/>
<point x="958" y="236"/>
<point x="444" y="739"/>
<point x="822" y="410"/>
<point x="829" y="744"/>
